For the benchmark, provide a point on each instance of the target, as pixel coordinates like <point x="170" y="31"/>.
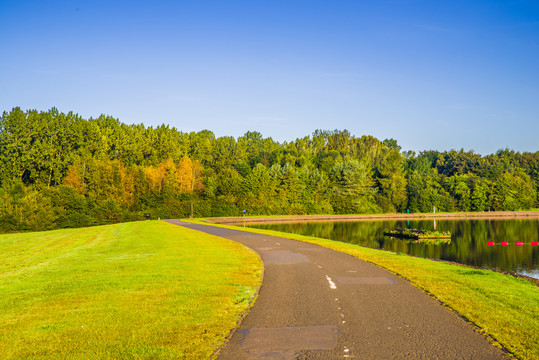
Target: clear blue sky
<point x="432" y="74"/>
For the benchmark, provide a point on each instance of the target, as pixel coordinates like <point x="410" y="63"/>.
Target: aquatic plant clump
<point x="420" y="235"/>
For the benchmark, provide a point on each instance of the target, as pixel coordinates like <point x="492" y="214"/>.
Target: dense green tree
<point x="514" y="192"/>
<point x="352" y="189"/>
<point x="18" y="133"/>
<point x="370" y="151"/>
<point x="201" y="147"/>
<point x="224" y="153"/>
<point x="316" y="192"/>
<point x="391" y="180"/>
<point x="25" y="208"/>
<point x="481" y="194"/>
<point x="425" y="191"/>
<point x="290" y="188"/>
<point x="258" y="192"/>
<point x="529" y="162"/>
<point x="458" y="188"/>
<point x="74" y="172"/>
<point x="71" y="209"/>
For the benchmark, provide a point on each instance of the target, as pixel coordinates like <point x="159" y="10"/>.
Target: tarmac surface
<point x="317" y="303"/>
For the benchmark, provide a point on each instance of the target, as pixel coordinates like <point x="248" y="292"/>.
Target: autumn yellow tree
<point x="161" y="177"/>
<point x="110" y="180"/>
<point x="75" y="177"/>
<point x="169" y="171"/>
<point x="155" y="177"/>
<point x="189" y="177"/>
<point x="184" y="175"/>
<point x="128" y="185"/>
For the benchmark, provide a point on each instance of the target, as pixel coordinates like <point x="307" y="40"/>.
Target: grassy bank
<point x="503" y="306"/>
<point x="132" y="290"/>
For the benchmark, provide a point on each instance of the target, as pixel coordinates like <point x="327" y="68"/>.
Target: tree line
<point x="59" y="170"/>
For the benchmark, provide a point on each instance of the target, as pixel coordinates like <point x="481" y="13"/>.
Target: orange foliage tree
<point x="189" y="176"/>
<point x="75" y="177"/>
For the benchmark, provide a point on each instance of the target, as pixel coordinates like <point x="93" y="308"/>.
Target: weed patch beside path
<point x="133" y="290"/>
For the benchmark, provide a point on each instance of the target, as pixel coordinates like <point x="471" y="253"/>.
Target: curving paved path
<point x="316" y="303"/>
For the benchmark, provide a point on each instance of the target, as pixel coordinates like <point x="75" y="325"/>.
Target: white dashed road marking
<point x="331" y="283"/>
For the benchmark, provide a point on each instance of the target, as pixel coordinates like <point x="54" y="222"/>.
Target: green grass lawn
<point x="133" y="290"/>
<point x="504" y="307"/>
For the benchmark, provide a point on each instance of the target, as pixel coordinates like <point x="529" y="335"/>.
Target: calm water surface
<point x="468" y="241"/>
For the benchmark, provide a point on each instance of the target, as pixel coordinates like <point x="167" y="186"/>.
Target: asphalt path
<point x="317" y="303"/>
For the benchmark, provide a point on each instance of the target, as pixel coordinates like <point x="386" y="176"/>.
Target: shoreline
<point x="501" y="215"/>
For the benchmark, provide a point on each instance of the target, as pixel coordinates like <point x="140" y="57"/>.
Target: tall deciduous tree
<point x="352" y="188"/>
<point x="391" y="181"/>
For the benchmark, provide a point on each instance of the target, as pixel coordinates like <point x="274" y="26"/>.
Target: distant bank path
<point x="371" y="217"/>
<point x="316" y="303"/>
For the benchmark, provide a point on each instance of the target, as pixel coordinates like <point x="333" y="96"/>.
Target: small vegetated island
<point x="420" y="236"/>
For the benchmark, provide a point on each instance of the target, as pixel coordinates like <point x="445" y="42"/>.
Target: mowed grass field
<point x="504" y="307"/>
<point x="143" y="290"/>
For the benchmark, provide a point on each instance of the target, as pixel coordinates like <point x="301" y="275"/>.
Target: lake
<point x="469" y="240"/>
